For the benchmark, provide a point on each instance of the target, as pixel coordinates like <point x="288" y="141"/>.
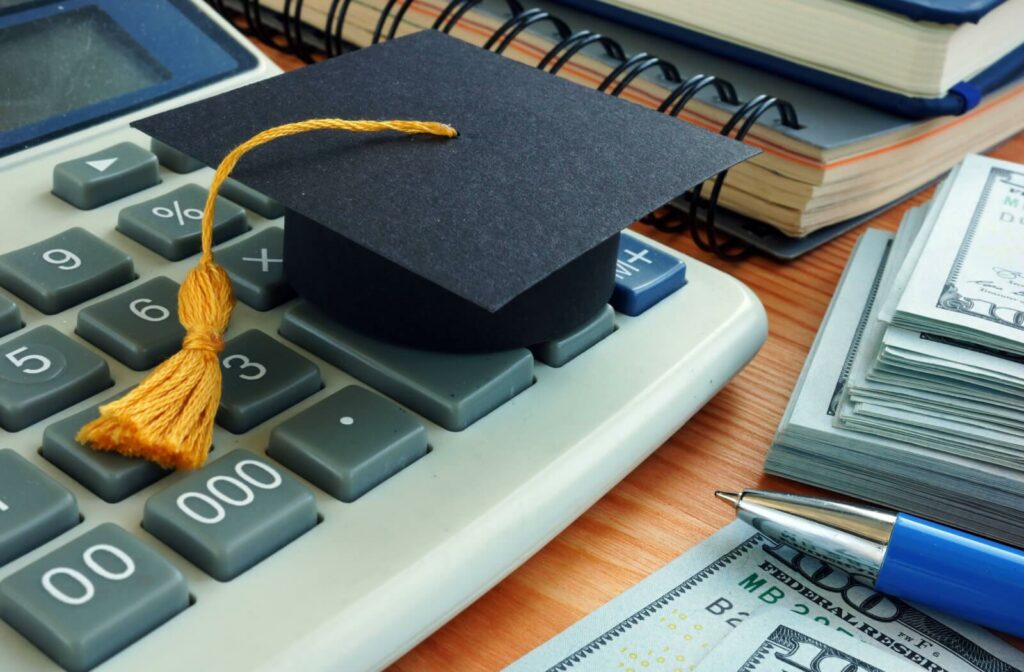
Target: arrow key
<point x="91" y="181"/>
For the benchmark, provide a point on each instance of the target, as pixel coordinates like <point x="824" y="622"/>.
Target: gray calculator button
<point x="231" y="514"/>
<point x="34" y="508"/>
<point x="261" y="378"/>
<point x="170" y="224"/>
<point x="43" y="372"/>
<point x="10" y="316"/>
<point x="349" y="443"/>
<point x="111" y="476"/>
<point x="453" y="390"/>
<point x="248" y="197"/>
<point x="139" y="327"/>
<point x="172" y="159"/>
<point x="105" y="176"/>
<point x="256" y="269"/>
<point x="64" y="270"/>
<point x="93" y="597"/>
<point x="561" y="351"/>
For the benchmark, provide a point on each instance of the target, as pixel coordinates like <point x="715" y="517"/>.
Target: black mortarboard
<point x="504" y="236"/>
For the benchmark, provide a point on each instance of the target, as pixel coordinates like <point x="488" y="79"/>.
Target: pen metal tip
<point x="731" y="497"/>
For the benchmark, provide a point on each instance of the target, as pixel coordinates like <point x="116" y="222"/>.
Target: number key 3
<point x="64" y="270"/>
<point x="262" y="377"/>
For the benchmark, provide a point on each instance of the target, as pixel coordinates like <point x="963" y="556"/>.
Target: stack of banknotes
<point x="913" y="393"/>
<point x="740" y="602"/>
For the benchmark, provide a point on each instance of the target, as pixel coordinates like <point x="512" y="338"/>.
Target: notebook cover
<point x="939" y="11"/>
<point x="774" y="243"/>
<point x="960" y="99"/>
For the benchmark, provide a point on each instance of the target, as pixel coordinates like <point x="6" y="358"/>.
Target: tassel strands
<point x="168" y="418"/>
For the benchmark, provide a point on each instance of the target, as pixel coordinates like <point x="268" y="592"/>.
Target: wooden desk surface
<point x="666" y="505"/>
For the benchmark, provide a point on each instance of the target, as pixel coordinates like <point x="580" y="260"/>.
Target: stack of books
<point x="890" y="94"/>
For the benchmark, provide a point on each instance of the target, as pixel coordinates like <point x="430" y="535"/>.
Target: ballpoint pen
<point x="901" y="555"/>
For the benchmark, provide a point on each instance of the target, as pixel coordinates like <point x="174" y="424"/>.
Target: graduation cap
<point x="503" y="236"/>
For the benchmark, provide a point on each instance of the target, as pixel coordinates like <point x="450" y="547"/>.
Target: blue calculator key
<point x="644" y="275"/>
<point x="92" y="597"/>
<point x="231" y="514"/>
<point x="34" y="508"/>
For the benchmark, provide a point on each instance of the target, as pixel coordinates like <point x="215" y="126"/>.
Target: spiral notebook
<point x="827" y="163"/>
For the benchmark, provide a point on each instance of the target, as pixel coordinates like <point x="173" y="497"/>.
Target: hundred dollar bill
<point x="780" y="641"/>
<point x="983" y="497"/>
<point x="969" y="282"/>
<point x="673" y="619"/>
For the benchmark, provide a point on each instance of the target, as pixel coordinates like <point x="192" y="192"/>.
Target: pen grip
<point x="958" y="573"/>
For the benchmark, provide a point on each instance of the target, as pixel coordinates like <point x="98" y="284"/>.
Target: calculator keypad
<point x="247" y="197"/>
<point x="139" y="327"/>
<point x="644" y="275"/>
<point x="172" y="159"/>
<point x="111" y="476"/>
<point x="261" y="378"/>
<point x="34" y="508"/>
<point x="92" y="597"/>
<point x="105" y="176"/>
<point x="349" y="443"/>
<point x="256" y="268"/>
<point x="452" y="389"/>
<point x="561" y="351"/>
<point x="170" y="224"/>
<point x="10" y="316"/>
<point x="231" y="514"/>
<point x="43" y="372"/>
<point x="65" y="270"/>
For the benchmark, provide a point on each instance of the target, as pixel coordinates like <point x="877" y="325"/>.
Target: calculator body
<point x="376" y="575"/>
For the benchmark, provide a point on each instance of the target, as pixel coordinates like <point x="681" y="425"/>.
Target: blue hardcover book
<point x="961" y="97"/>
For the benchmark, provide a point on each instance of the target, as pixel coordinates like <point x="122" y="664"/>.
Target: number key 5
<point x="42" y="372"/>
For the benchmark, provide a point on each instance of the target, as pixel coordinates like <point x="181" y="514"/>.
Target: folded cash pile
<point x="913" y="393"/>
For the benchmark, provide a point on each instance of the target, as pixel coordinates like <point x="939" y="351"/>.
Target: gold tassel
<point x="168" y="418"/>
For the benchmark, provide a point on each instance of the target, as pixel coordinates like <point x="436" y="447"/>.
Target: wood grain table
<point x="666" y="505"/>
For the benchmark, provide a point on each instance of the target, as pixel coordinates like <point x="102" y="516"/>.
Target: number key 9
<point x="64" y="270"/>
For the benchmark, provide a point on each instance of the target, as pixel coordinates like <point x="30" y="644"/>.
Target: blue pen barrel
<point x="974" y="578"/>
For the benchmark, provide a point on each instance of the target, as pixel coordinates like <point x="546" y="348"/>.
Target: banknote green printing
<point x="701" y="601"/>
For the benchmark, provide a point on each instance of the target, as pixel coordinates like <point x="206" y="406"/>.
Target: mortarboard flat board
<point x="502" y="237"/>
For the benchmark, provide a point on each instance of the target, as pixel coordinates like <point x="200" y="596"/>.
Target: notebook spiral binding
<point x="693" y="213"/>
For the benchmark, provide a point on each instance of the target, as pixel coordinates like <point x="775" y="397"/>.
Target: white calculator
<point x="358" y="494"/>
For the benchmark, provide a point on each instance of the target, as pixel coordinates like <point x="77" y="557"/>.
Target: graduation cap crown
<point x="501" y="237"/>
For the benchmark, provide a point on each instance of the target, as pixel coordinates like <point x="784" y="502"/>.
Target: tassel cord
<point x="169" y="417"/>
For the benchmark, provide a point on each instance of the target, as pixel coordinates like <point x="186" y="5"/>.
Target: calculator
<point x="358" y="493"/>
